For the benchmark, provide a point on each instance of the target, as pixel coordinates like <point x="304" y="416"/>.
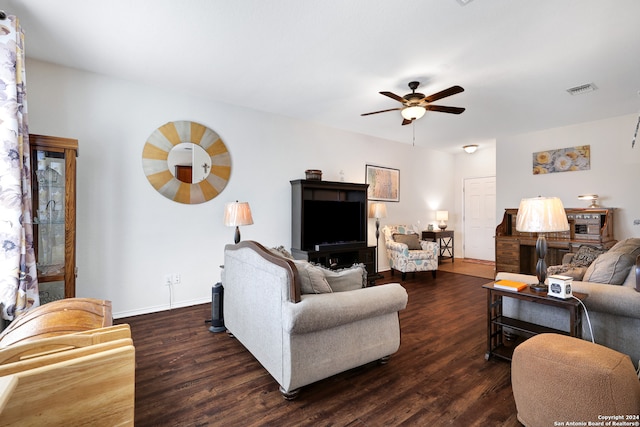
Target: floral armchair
<point x="407" y="253"/>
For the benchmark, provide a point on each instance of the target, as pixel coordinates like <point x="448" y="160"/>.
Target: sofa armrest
<point x="429" y="245"/>
<point x="398" y="247"/>
<point x="637" y="267"/>
<point x="324" y="311"/>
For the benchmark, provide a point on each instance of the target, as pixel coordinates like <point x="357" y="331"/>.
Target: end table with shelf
<point x="445" y="241"/>
<point x="496" y="321"/>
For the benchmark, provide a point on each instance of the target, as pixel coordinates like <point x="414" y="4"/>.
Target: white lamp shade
<point x="442" y="215"/>
<point x="377" y="210"/>
<point x="541" y="215"/>
<point x="412" y="113"/>
<point x="237" y="213"/>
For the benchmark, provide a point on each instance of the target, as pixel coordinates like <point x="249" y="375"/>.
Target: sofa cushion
<point x="346" y="279"/>
<point x="411" y="240"/>
<point x="312" y="280"/>
<point x="610" y="268"/>
<point x="629" y="246"/>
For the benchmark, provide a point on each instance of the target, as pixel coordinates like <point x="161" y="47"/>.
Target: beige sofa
<point x="613" y="309"/>
<point x="299" y="337"/>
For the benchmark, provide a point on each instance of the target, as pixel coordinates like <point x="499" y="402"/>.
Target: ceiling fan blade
<point x="406" y="122"/>
<point x="381" y="111"/>
<point x="394" y="96"/>
<point x="443" y="109"/>
<point x="443" y="94"/>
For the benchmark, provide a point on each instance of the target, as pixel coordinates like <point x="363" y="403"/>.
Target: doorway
<point x="479" y="218"/>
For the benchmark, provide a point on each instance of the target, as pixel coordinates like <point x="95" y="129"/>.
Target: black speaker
<point x="217" y="318"/>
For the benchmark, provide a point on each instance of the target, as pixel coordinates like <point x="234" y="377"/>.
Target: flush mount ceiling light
<point x="471" y="148"/>
<point x="578" y="90"/>
<point x="413" y="113"/>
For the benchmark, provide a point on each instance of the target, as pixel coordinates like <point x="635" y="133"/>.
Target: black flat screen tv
<point x="333" y="222"/>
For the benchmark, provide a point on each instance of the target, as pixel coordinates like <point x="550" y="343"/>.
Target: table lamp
<point x="442" y="216"/>
<point x="377" y="211"/>
<point x="541" y="215"/>
<point x="236" y="214"/>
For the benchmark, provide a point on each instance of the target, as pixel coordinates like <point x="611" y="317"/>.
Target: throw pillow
<point x="281" y="251"/>
<point x="586" y="255"/>
<point x="312" y="279"/>
<point x="346" y="279"/>
<point x="630" y="246"/>
<point x="411" y="240"/>
<point x="609" y="268"/>
<point x="567" y="270"/>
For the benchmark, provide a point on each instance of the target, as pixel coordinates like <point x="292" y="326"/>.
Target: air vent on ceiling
<point x="589" y="87"/>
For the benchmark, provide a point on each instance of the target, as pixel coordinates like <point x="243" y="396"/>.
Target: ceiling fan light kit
<point x="416" y="104"/>
<point x="413" y="113"/>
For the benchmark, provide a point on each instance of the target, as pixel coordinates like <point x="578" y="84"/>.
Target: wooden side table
<point x="496" y="321"/>
<point x="445" y="241"/>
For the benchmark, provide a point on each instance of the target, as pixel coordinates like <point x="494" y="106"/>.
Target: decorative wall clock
<point x="186" y="162"/>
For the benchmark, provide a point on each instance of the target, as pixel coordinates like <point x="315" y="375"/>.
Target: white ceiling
<point x="325" y="61"/>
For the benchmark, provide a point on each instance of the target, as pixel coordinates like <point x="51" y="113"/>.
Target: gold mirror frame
<point x="156" y="167"/>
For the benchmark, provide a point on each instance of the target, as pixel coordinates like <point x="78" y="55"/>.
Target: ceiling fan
<point x="415" y="104"/>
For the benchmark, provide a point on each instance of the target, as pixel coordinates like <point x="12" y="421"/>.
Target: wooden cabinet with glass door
<point x="53" y="180"/>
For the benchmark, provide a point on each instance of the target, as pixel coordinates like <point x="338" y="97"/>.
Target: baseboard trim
<point x="163" y="307"/>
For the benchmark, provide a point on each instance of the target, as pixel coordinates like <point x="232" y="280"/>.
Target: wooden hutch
<point x="516" y="251"/>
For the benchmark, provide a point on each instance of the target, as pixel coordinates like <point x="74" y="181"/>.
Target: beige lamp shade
<point x="377" y="210"/>
<point x="541" y="215"/>
<point x="442" y="215"/>
<point x="237" y="213"/>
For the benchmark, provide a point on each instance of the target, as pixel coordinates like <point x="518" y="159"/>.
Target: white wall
<point x="614" y="173"/>
<point x="129" y="236"/>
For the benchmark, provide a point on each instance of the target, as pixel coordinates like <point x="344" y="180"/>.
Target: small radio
<point x="560" y="286"/>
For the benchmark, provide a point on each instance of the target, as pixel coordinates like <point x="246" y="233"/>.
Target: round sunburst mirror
<point x="186" y="162"/>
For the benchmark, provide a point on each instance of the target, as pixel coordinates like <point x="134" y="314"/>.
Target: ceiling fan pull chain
<point x="633" y="142"/>
<point x="414" y="132"/>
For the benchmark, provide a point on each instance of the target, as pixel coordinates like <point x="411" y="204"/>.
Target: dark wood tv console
<point x="515" y="250"/>
<point x="338" y="252"/>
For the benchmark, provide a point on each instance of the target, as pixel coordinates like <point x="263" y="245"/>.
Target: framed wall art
<point x="562" y="160"/>
<point x="384" y="183"/>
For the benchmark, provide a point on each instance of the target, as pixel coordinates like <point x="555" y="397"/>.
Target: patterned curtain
<point x="18" y="275"/>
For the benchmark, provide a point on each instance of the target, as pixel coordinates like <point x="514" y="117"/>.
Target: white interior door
<point x="480" y="218"/>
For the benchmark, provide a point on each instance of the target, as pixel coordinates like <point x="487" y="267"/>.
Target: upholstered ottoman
<point x="557" y="378"/>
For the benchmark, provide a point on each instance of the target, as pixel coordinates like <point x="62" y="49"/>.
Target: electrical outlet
<point x="177" y="279"/>
<point x="167" y="280"/>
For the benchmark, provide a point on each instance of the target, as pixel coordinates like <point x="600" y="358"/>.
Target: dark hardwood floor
<point x="188" y="376"/>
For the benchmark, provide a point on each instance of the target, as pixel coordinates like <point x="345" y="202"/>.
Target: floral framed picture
<point x="562" y="160"/>
<point x="384" y="183"/>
